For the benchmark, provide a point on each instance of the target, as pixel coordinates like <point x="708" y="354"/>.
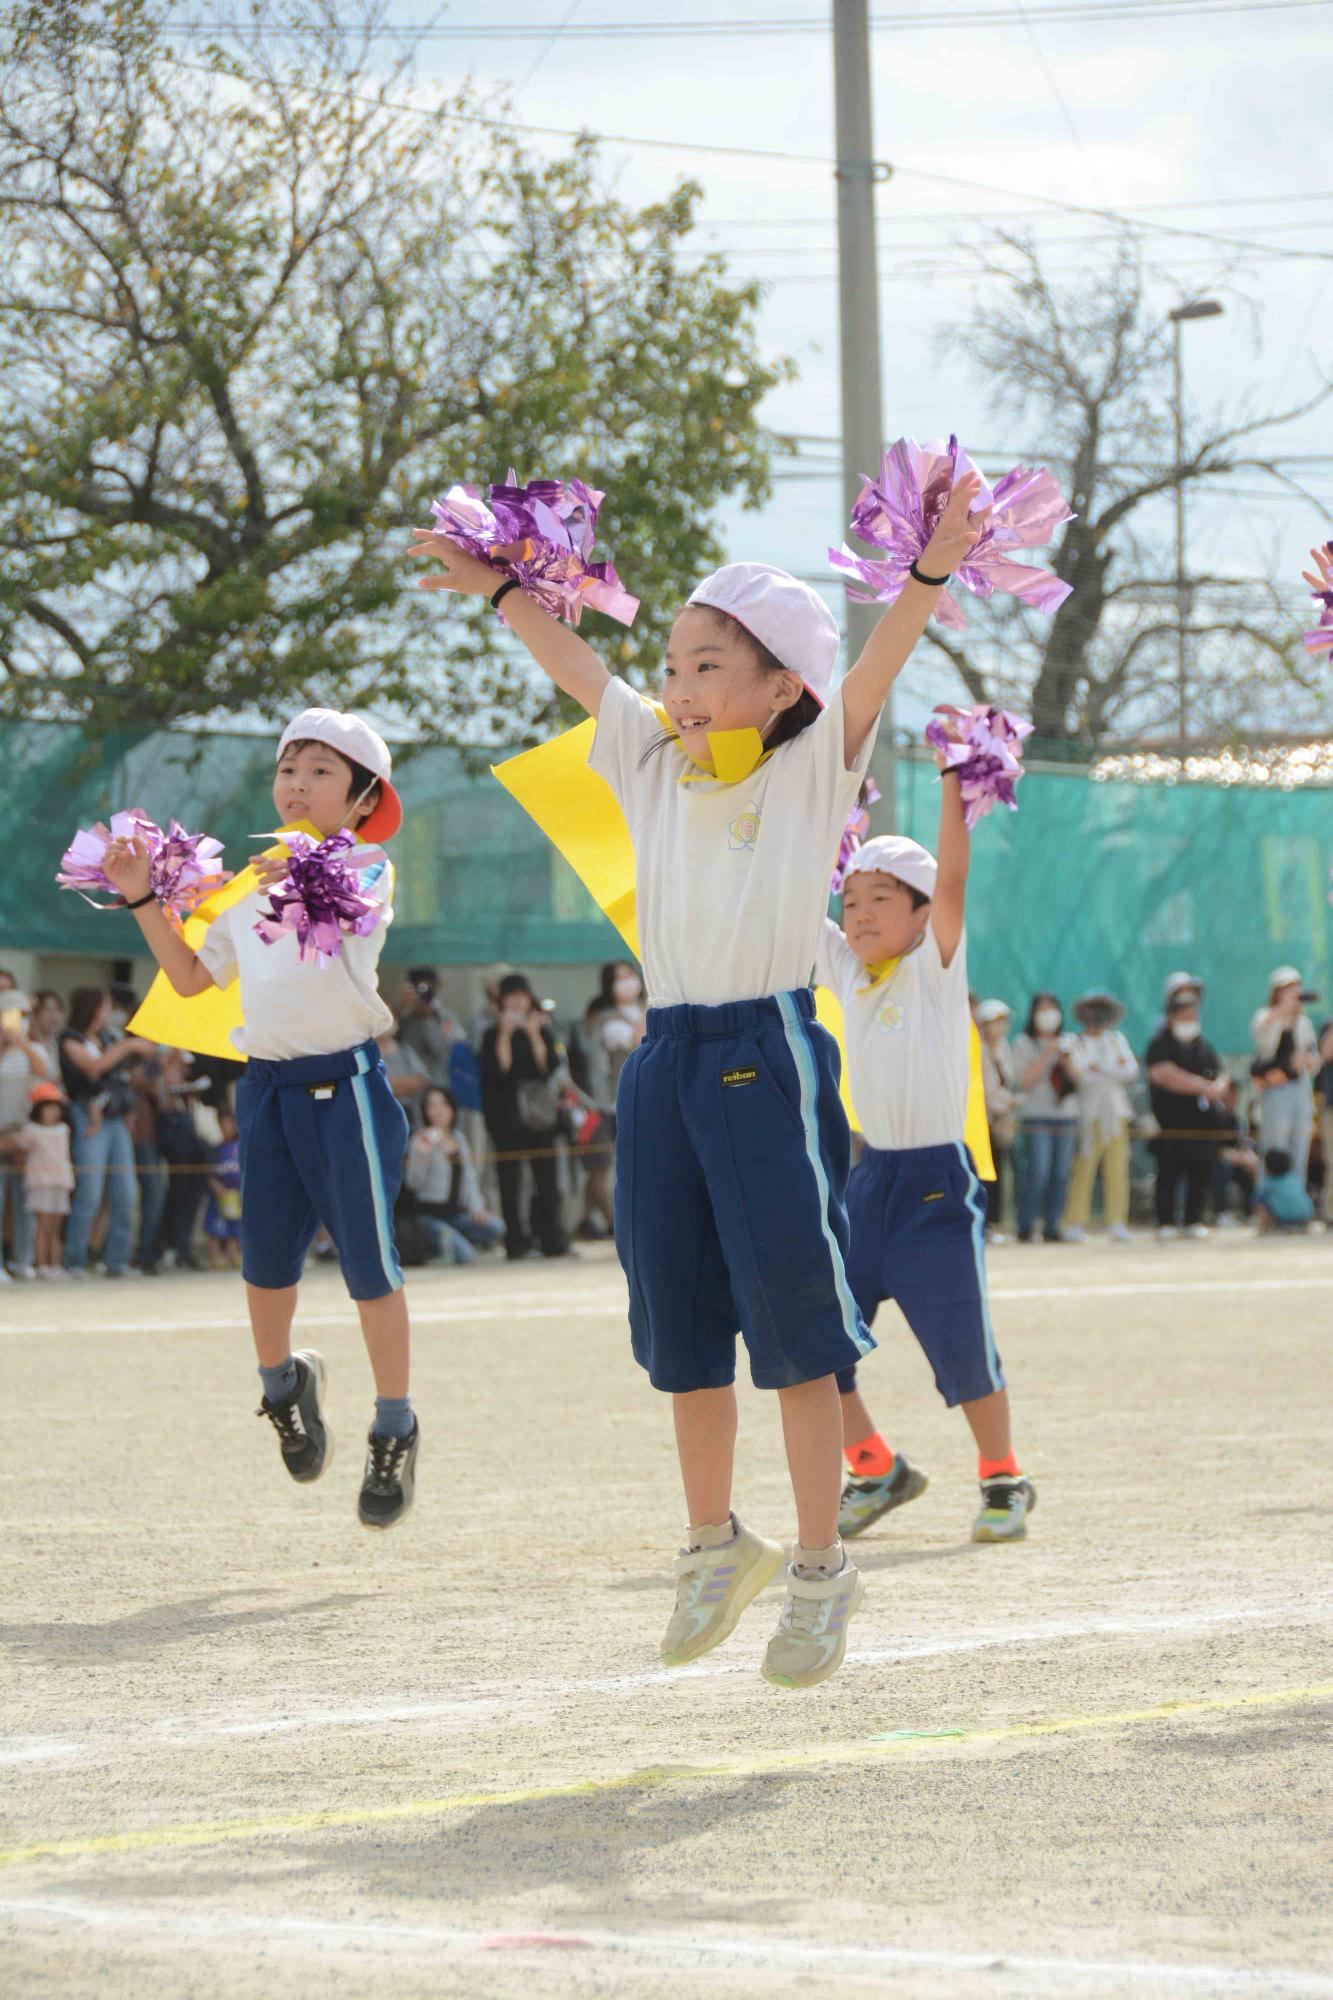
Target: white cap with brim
<point x="993" y="1010"/>
<point x="1284" y="975"/>
<point x="894" y="854"/>
<point x="1180" y="982"/>
<point x="783" y="614"/>
<point x="360" y="744"/>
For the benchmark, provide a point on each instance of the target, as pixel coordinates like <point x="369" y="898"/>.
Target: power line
<point x="745" y="27"/>
<point x="903" y="218"/>
<point x="699" y="147"/>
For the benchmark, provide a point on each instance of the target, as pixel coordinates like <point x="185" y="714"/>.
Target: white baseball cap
<point x="783" y="614"/>
<point x="894" y="854"/>
<point x="993" y="1010"/>
<point x="1179" y="982"/>
<point x="360" y="744"/>
<point x="1284" y="975"/>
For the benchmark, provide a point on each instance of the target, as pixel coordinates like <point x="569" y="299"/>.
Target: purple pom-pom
<point x="182" y="867"/>
<point x="985" y="746"/>
<point x="1320" y="640"/>
<point x="553" y="525"/>
<point x="319" y="901"/>
<point x="900" y="510"/>
<point x="854" y="833"/>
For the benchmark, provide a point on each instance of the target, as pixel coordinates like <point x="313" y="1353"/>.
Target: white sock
<point x="818" y="1562"/>
<point x="711" y="1535"/>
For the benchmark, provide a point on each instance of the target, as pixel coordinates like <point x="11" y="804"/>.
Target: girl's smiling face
<point x="878" y="917"/>
<point x="713" y="681"/>
<point x="315" y="783"/>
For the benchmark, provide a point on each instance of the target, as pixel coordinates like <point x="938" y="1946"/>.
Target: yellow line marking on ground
<point x="210" y="1833"/>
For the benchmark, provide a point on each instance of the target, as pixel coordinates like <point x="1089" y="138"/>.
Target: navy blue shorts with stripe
<point x="732" y="1152"/>
<point x="322" y="1140"/>
<point x="918" y="1220"/>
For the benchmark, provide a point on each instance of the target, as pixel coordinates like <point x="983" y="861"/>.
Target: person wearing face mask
<point x="1189" y="1092"/>
<point x="626" y="1013"/>
<point x="1286" y="1056"/>
<point x="1048" y="1118"/>
<point x="1105" y="1066"/>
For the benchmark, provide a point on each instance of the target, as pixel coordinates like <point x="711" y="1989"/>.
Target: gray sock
<point x="393" y="1417"/>
<point x="280" y="1382"/>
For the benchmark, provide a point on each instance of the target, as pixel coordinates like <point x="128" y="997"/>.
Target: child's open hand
<point x="955" y="534"/>
<point x="126" y="865"/>
<point x="468" y="575"/>
<point x="270" y="869"/>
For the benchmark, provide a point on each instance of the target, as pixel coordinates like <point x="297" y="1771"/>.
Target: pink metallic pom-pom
<point x="985" y="746"/>
<point x="320" y="902"/>
<point x="1320" y="640"/>
<point x="183" y="867"/>
<point x="900" y="510"/>
<point x="854" y="833"/>
<point x="553" y="525"/>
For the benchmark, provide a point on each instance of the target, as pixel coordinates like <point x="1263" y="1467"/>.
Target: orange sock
<point x="871" y="1459"/>
<point x="996" y="1468"/>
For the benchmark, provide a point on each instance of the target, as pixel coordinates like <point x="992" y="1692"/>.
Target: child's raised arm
<point x="889" y="646"/>
<point x="127" y="865"/>
<point x="947" y="905"/>
<point x="558" y="651"/>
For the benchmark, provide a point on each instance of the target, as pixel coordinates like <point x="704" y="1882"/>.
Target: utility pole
<point x="1200" y="309"/>
<point x="858" y="311"/>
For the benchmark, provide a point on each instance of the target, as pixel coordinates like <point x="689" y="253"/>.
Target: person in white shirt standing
<point x="915" y="1204"/>
<point x="1286" y="1056"/>
<point x="1105" y="1065"/>
<point x="322" y="1136"/>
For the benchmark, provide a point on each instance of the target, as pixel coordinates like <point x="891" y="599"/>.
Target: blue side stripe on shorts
<point x="976" y="1208"/>
<point x="808" y="1081"/>
<point x="393" y="1276"/>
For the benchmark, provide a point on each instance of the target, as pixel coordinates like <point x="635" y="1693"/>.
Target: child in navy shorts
<point x="732" y="1148"/>
<point x="916" y="1207"/>
<point x="322" y="1137"/>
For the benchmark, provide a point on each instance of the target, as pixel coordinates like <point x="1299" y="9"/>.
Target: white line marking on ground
<point x="598" y="1302"/>
<point x="177" y="1926"/>
<point x="499" y="1702"/>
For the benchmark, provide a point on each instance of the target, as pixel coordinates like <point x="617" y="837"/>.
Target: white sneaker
<point x="1167" y="1232"/>
<point x="1120" y="1233"/>
<point x="811" y="1635"/>
<point x="713" y="1588"/>
<point x="1074" y="1234"/>
<point x="1198" y="1232"/>
<point x="24" y="1271"/>
<point x="1227" y="1220"/>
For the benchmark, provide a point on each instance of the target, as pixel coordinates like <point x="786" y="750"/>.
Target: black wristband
<point x="935" y="582"/>
<point x="151" y="897"/>
<point x="498" y="596"/>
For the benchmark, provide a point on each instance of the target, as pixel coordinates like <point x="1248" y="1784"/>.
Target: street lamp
<point x="1200" y="309"/>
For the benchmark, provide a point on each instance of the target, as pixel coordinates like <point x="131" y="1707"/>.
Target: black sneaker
<point x="865" y="1501"/>
<point x="1005" y="1506"/>
<point x="389" y="1484"/>
<point x="305" y="1439"/>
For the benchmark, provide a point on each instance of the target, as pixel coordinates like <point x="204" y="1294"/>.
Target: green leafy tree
<point x="256" y="308"/>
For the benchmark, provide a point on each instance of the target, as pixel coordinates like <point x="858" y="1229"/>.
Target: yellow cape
<point x="205" y="1022"/>
<point x="581" y="817"/>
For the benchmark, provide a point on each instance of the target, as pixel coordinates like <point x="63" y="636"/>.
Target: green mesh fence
<point x="1089" y="884"/>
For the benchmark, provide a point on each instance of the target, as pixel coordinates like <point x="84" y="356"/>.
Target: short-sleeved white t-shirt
<point x="907" y="1041"/>
<point x="732" y="879"/>
<point x="291" y="1009"/>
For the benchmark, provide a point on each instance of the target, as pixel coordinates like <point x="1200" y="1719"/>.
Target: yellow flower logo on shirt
<point x="890" y="1017"/>
<point x="744" y="830"/>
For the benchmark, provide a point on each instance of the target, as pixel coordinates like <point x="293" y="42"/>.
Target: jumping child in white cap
<point x="916" y="1207"/>
<point x="732" y="1149"/>
<point x="322" y="1136"/>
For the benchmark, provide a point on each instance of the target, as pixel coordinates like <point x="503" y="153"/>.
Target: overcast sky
<point x="1190" y="102"/>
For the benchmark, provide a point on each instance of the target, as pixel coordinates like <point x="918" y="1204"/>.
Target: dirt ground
<point x="252" y="1750"/>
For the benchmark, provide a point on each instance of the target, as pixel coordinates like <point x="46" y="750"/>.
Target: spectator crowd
<point x="119" y="1155"/>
